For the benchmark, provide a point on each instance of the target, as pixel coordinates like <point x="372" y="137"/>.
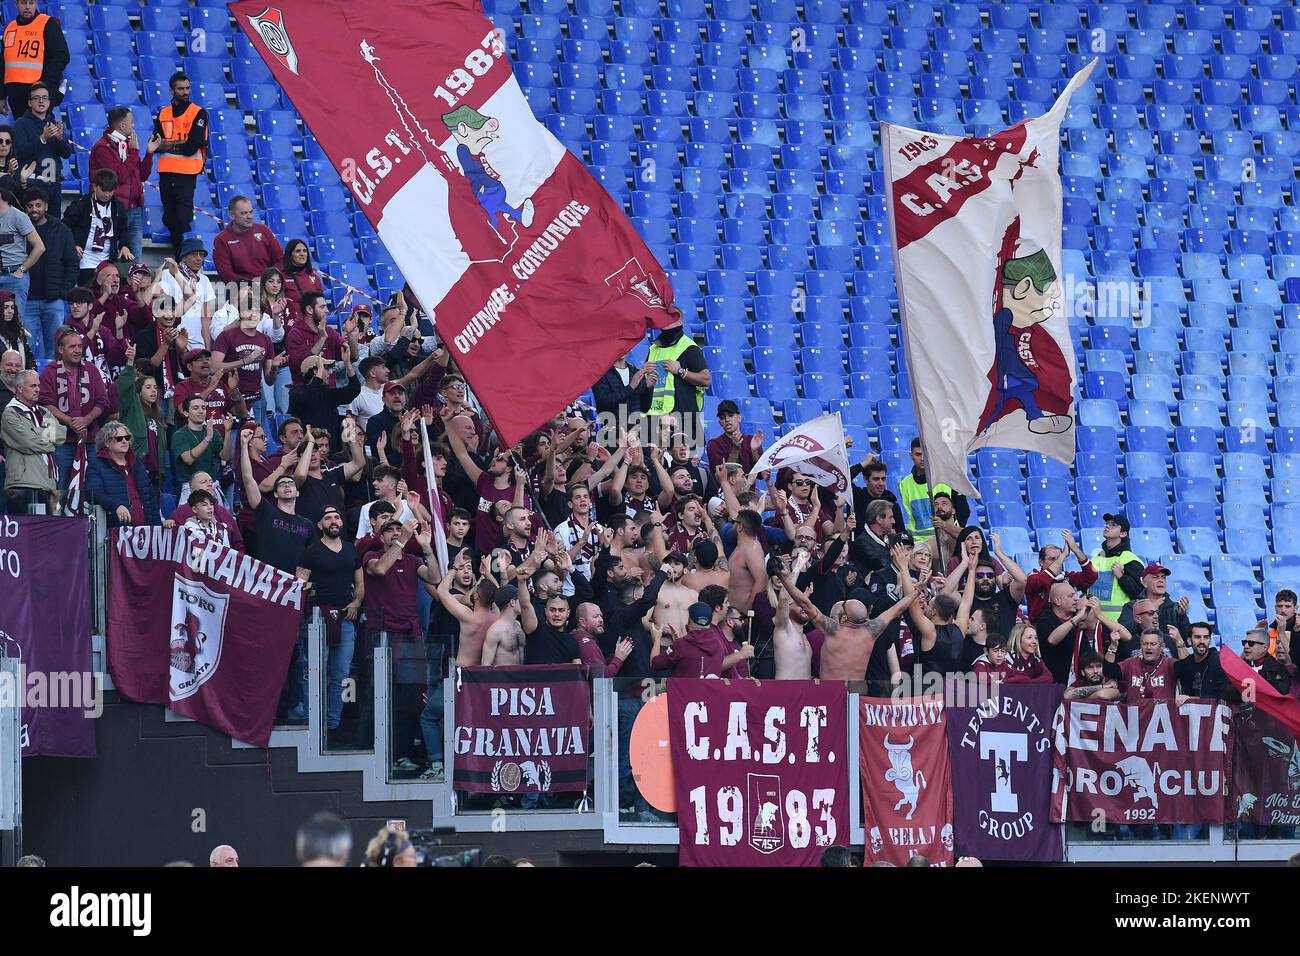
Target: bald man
<point x="223" y="856"/>
<point x="851" y="636"/>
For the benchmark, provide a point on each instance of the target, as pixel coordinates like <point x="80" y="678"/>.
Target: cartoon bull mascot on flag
<point x="1029" y="370"/>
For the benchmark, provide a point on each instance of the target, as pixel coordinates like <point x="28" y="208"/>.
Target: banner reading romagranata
<point x="535" y="278"/>
<point x="906" y="781"/>
<point x="521" y="729"/>
<point x="761" y="770"/>
<point x="1149" y="762"/>
<point x="45" y="625"/>
<point x="200" y="628"/>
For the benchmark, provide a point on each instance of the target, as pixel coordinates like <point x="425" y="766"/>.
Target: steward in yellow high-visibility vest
<point x="1119" y="570"/>
<point x="682" y="381"/>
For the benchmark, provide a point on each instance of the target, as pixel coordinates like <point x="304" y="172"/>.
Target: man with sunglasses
<point x="1254" y="651"/>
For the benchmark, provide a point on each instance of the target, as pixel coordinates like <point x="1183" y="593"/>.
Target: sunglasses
<point x="120" y="438"/>
<point x="1253" y="643"/>
<point x="984" y="575"/>
<point x="800" y="482"/>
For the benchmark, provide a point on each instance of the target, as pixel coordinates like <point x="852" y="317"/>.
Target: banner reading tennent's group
<point x="522" y="729"/>
<point x="1265" y="772"/>
<point x="536" y="279"/>
<point x="906" y="781"/>
<point x="1149" y="762"/>
<point x="1001" y="755"/>
<point x="45" y="625"/>
<point x="976" y="231"/>
<point x="761" y="770"/>
<point x="201" y="628"/>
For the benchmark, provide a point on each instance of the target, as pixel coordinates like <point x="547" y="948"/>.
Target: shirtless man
<point x="710" y="567"/>
<point x="748" y="569"/>
<point x="790" y="647"/>
<point x="505" y="636"/>
<point x="474" y="620"/>
<point x="674" y="597"/>
<point x="850" y="637"/>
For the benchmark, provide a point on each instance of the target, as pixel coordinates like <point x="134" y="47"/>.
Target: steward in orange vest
<point x="34" y="51"/>
<point x="183" y="128"/>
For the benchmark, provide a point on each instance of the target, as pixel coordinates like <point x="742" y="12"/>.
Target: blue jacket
<point x="106" y="487"/>
<point x="28" y="147"/>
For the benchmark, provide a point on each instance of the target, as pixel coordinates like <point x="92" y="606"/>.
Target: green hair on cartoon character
<point x="1037" y="268"/>
<point x="464" y="114"/>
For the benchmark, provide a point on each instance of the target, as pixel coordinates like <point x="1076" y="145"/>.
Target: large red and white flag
<point x="976" y="229"/>
<point x="815" y="449"/>
<point x="536" y="280"/>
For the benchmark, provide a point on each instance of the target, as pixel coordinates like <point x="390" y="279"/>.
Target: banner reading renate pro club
<point x="976" y="231"/>
<point x="761" y="770"/>
<point x="536" y="279"/>
<point x="200" y="628"/>
<point x="1149" y="762"/>
<point x="521" y="729"/>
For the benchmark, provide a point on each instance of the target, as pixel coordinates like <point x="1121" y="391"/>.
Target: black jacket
<point x="1212" y="679"/>
<point x="1271" y="670"/>
<point x="55" y="273"/>
<point x="611" y="394"/>
<point x="77" y="218"/>
<point x="48" y="157"/>
<point x="316" y="405"/>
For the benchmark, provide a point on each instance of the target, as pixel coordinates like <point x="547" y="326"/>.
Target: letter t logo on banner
<point x="1002" y="747"/>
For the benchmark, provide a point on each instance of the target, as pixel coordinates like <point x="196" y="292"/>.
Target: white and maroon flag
<point x="435" y="501"/>
<point x="975" y="223"/>
<point x="815" y="449"/>
<point x="536" y="280"/>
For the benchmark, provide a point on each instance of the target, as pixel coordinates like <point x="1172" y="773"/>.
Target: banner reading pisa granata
<point x="536" y="280"/>
<point x="1149" y="762"/>
<point x="975" y="224"/>
<point x="761" y="771"/>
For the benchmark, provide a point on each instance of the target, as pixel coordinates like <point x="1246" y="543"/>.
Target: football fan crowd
<point x="240" y="407"/>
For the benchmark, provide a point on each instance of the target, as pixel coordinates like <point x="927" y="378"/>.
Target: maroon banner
<point x="522" y="729"/>
<point x="201" y="628"/>
<point x="535" y="278"/>
<point x="761" y="770"/>
<point x="906" y="781"/>
<point x="45" y="626"/>
<point x="1255" y="690"/>
<point x="1149" y="762"/>
<point x="1265" y="770"/>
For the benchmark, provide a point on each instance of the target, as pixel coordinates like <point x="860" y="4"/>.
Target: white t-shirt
<point x="369" y="402"/>
<point x="96" y="244"/>
<point x="363" y="526"/>
<point x="192" y="320"/>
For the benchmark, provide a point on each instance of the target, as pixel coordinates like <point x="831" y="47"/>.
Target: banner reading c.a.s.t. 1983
<point x="536" y="279"/>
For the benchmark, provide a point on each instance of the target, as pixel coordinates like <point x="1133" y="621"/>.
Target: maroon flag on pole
<point x="201" y="628"/>
<point x="45" y="625"/>
<point x="906" y="781"/>
<point x="1001" y="753"/>
<point x="1149" y="762"/>
<point x="761" y="770"/>
<point x="74" y="499"/>
<point x="536" y="280"/>
<point x="1256" y="690"/>
<point x="1265" y="770"/>
<point x="522" y="729"/>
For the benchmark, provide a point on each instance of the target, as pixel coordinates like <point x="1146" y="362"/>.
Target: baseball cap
<point x="1154" y="568"/>
<point x="727" y="407"/>
<point x="193" y="354"/>
<point x="1118" y="519"/>
<point x="700" y="613"/>
<point x="139" y="269"/>
<point x="904" y="538"/>
<point x="393" y="387"/>
<point x="676" y="556"/>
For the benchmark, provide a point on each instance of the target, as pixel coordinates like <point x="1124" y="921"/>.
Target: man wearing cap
<point x="316" y="400"/>
<point x="52" y="276"/>
<point x="118" y="150"/>
<point x="35" y="51"/>
<point x="1119" y="570"/>
<point x="99" y="225"/>
<point x="183" y="129"/>
<point x="220" y="393"/>
<point x="1169" y="613"/>
<point x="383" y="423"/>
<point x="733" y="445"/>
<point x="20" y="247"/>
<point x="245" y="248"/>
<point x="701" y="651"/>
<point x="186" y="283"/>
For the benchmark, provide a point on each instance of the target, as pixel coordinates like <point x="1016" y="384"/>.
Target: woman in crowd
<point x="279" y="312"/>
<point x="142" y="412"/>
<point x="117" y="481"/>
<point x="391" y="848"/>
<point x="1023" y="656"/>
<point x="12" y="176"/>
<point x="300" y="276"/>
<point x="13" y="335"/>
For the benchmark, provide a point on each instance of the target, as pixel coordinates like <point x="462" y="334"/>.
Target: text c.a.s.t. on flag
<point x="536" y="279"/>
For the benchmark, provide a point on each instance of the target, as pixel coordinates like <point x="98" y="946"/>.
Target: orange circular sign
<point x="652" y="755"/>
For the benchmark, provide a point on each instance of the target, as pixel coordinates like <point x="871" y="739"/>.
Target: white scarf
<point x="120" y="140"/>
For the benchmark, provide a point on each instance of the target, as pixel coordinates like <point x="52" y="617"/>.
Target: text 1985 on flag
<point x="761" y="770"/>
<point x="536" y="280"/>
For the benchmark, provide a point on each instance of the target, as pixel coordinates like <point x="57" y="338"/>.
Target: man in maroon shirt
<point x="245" y="249"/>
<point x="73" y="391"/>
<point x="1050" y="561"/>
<point x="732" y="444"/>
<point x="498" y="482"/>
<point x="702" y="650"/>
<point x="591" y="625"/>
<point x="315" y="336"/>
<point x="220" y="393"/>
<point x="241" y="347"/>
<point x="1150" y="675"/>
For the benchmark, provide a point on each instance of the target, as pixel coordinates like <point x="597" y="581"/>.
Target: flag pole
<point x="435" y="501"/>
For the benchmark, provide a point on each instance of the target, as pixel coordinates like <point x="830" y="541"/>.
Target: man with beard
<point x="1200" y="674"/>
<point x="1092" y="682"/>
<point x="701" y="651"/>
<point x="73" y="391"/>
<point x="546" y="640"/>
<point x="874" y="475"/>
<point x="591" y="626"/>
<point x="333" y="567"/>
<point x="1000" y="604"/>
<point x="183" y="128"/>
<point x="1150" y="675"/>
<point x="674" y="597"/>
<point x="518" y="528"/>
<point x="914" y="493"/>
<point x="1156" y="590"/>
